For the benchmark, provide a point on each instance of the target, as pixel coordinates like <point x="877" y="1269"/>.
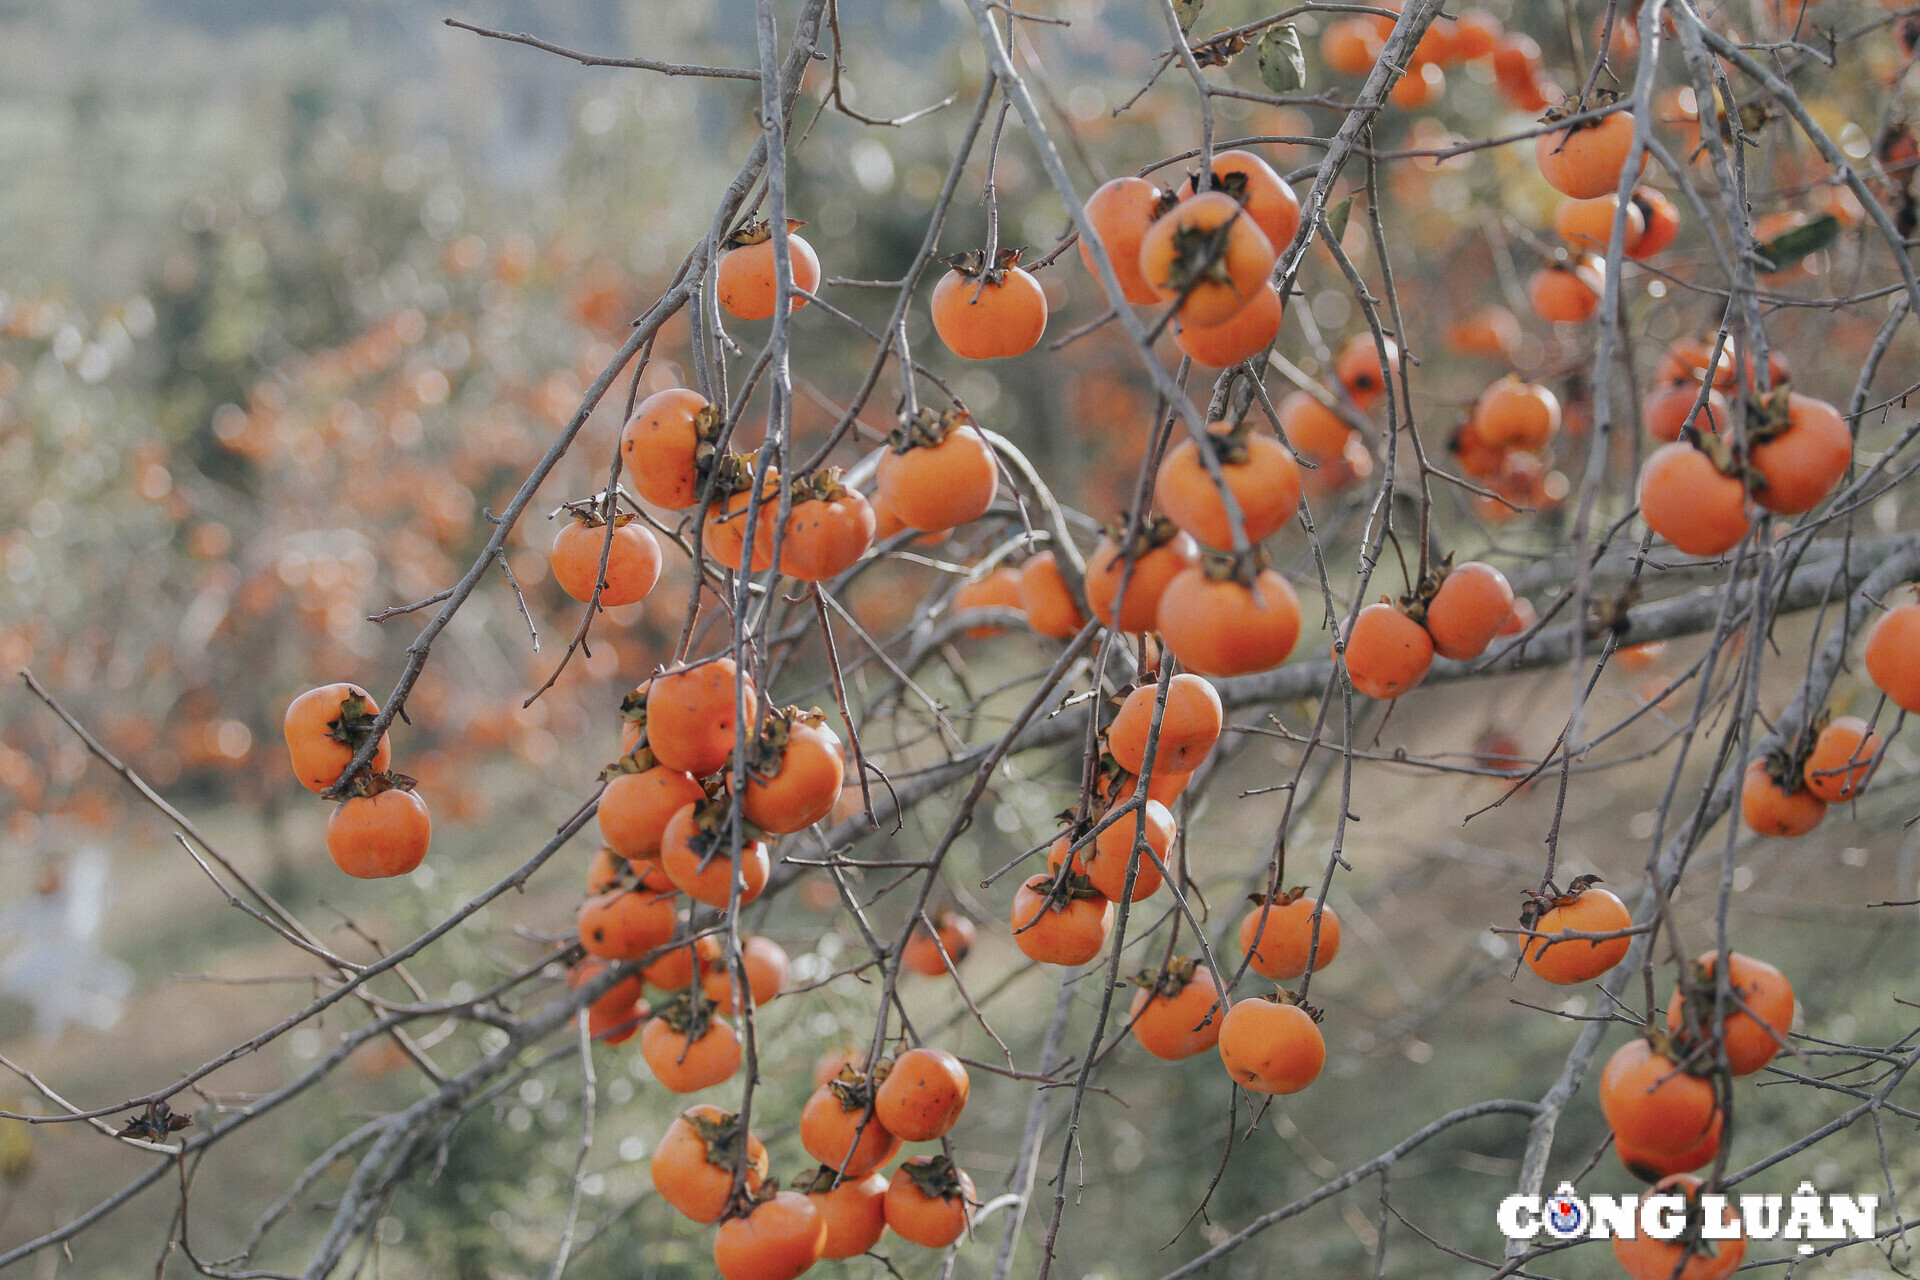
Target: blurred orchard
<point x="1546" y="576"/>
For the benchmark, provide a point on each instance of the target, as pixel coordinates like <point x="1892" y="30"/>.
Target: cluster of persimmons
<point x="711" y="768"/>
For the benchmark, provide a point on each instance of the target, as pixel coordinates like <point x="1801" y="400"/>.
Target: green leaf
<point x="1337" y="218"/>
<point x="1283" y="67"/>
<point x="1188" y="11"/>
<point x="1789" y="247"/>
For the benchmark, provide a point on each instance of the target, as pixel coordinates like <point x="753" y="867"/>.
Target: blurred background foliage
<point x="291" y="294"/>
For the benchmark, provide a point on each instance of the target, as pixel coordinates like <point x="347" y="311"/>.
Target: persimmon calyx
<point x="855" y="1091"/>
<point x="925" y="428"/>
<point x="1548" y="896"/>
<point x="1284" y="898"/>
<point x="365" y="785"/>
<point x="1200" y="255"/>
<point x="723" y="1136"/>
<point x="687" y="1016"/>
<point x="767" y="752"/>
<point x="937" y="1179"/>
<point x="638" y="760"/>
<point x="1280" y="995"/>
<point x="1576" y="105"/>
<point x="973" y="264"/>
<point x="1154" y="532"/>
<point x="710" y="828"/>
<point x="825" y="485"/>
<point x="758" y="232"/>
<point x="1227" y="566"/>
<point x="1169" y="980"/>
<point x="354" y="724"/>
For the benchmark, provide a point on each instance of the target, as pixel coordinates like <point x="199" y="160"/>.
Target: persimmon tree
<point x="1498" y="469"/>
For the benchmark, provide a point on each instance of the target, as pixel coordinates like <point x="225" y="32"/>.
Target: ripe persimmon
<point x="1105" y="862"/>
<point x="1651" y="1167"/>
<point x="1210" y="253"/>
<point x="674" y="970"/>
<point x="984" y="312"/>
<point x="1512" y="414"/>
<point x="615" y="1015"/>
<point x="1671" y="407"/>
<point x="1662" y="220"/>
<point x="929" y="1201"/>
<point x="1801" y="450"/>
<point x="1473" y="602"/>
<point x="1476" y="33"/>
<point x="999" y="589"/>
<point x="1350" y="46"/>
<point x="605" y="869"/>
<point x="1518" y="72"/>
<point x="838" y="1126"/>
<point x="776" y="1238"/>
<point x="744" y="277"/>
<point x="1756" y="1027"/>
<point x="1256" y="469"/>
<point x="1650" y="1103"/>
<point x="829" y="527"/>
<point x="938" y="472"/>
<point x="1248" y="334"/>
<point x="724" y="536"/>
<point x="380" y="830"/>
<point x="795" y="767"/>
<point x="1121" y="210"/>
<point x="956" y="935"/>
<point x="1692" y="1256"/>
<point x="688" y="1046"/>
<point x="1357" y="368"/>
<point x="1317" y="431"/>
<point x="636" y="807"/>
<point x="1264" y="194"/>
<point x="1842" y="759"/>
<point x="1277" y="935"/>
<point x="1585" y="160"/>
<point x="1158" y="552"/>
<point x="1387" y="652"/>
<point x="1771" y="807"/>
<point x="1564" y="293"/>
<point x="690" y="715"/>
<point x="1690" y="358"/>
<point x="1220" y="618"/>
<point x="1173" y="1013"/>
<point x="695" y="852"/>
<point x="1587" y="225"/>
<point x="1489" y="333"/>
<point x="1189" y="725"/>
<point x="693" y="1165"/>
<point x="664" y="444"/>
<point x="1892" y="655"/>
<point x="633" y="560"/>
<point x="767" y="969"/>
<point x="1044" y="597"/>
<point x="1423" y="85"/>
<point x="1067" y="926"/>
<point x="854" y="1209"/>
<point x="626" y="922"/>
<point x="923" y="1094"/>
<point x="1271" y="1045"/>
<point x="1585" y="908"/>
<point x="324" y="728"/>
<point x="1687" y="500"/>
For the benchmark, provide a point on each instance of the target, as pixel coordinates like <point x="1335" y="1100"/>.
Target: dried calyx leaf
<point x="1281" y="995"/>
<point x="1414" y="604"/>
<point x="638" y="760"/>
<point x="825" y="485"/>
<point x="1169" y="980"/>
<point x="1569" y="107"/>
<point x="1539" y="901"/>
<point x="1769" y="416"/>
<point x="690" y="1017"/>
<point x="973" y="264"/>
<point x="1066" y="888"/>
<point x="758" y="232"/>
<point x="723" y="1135"/>
<point x="1154" y="532"/>
<point x="372" y="784"/>
<point x="925" y="428"/>
<point x="354" y="725"/>
<point x="767" y="752"/>
<point x="1226" y="566"/>
<point x="1218" y="49"/>
<point x="731" y="473"/>
<point x="591" y="512"/>
<point x="937" y="1179"/>
<point x="1200" y="255"/>
<point x="1284" y="898"/>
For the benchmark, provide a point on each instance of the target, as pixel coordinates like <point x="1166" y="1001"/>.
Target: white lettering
<point x="1761" y="1216"/>
<point x="1519" y="1217"/>
<point x="1663" y="1216"/>
<point x="1612" y="1216"/>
